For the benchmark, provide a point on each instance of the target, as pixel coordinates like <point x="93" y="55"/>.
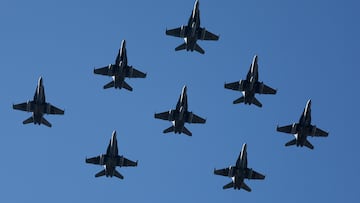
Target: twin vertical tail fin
<point x="103" y="172"/>
<point x="172" y="129"/>
<point x="43" y="121"/>
<point x="232" y="185"/>
<point x="124" y="85"/>
<point x="242" y="99"/>
<point x="293" y="142"/>
<point x="196" y="48"/>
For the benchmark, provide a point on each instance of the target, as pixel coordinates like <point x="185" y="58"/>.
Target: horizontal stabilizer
<point x="118" y="175"/>
<point x="256" y="102"/>
<point x="199" y="49"/>
<point x="170" y="129"/>
<point x="186" y="131"/>
<point x="308" y="144"/>
<point x="181" y="47"/>
<point x="127" y="86"/>
<point x="101" y="173"/>
<point x="109" y="85"/>
<point x="245" y="187"/>
<point x="292" y="142"/>
<point x="229" y="185"/>
<point x="29" y="120"/>
<point x="239" y="100"/>
<point x="45" y="122"/>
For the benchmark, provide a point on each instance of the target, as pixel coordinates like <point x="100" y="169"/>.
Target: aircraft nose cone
<point x="123" y="43"/>
<point x="113" y="137"/>
<point x="184" y="89"/>
<point x="40" y="82"/>
<point x="244" y="147"/>
<point x="309" y="103"/>
<point x="255" y="58"/>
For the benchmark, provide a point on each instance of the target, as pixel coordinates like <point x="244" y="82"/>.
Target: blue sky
<point x="306" y="49"/>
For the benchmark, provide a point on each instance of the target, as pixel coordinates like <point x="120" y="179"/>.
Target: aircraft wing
<point x="103" y="71"/>
<point x="164" y="115"/>
<point x="251" y="174"/>
<point x="233" y="86"/>
<point x="197" y="119"/>
<point x="222" y="172"/>
<point x="23" y="107"/>
<point x="127" y="162"/>
<point x="93" y="160"/>
<point x="320" y="133"/>
<point x="135" y="74"/>
<point x="175" y="32"/>
<point x="266" y="90"/>
<point x="54" y="110"/>
<point x="207" y="35"/>
<point x="284" y="129"/>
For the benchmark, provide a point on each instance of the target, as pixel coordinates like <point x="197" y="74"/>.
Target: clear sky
<point x="307" y="49"/>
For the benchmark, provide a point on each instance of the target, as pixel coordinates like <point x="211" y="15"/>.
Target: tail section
<point x="199" y="49"/>
<point x="245" y="187"/>
<point x="170" y="129"/>
<point x="186" y="131"/>
<point x="239" y="100"/>
<point x="109" y="85"/>
<point x="181" y="47"/>
<point x="308" y="144"/>
<point x="292" y="142"/>
<point x="101" y="173"/>
<point x="118" y="175"/>
<point x="45" y="122"/>
<point x="29" y="120"/>
<point x="229" y="185"/>
<point x="256" y="102"/>
<point x="127" y="86"/>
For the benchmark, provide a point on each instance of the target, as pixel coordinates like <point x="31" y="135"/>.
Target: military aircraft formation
<point x="180" y="115"/>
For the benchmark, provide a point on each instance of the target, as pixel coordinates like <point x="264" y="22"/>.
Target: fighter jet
<point x="239" y="172"/>
<point x="110" y="160"/>
<point x="38" y="106"/>
<point x="192" y="32"/>
<point x="302" y="129"/>
<point x="120" y="70"/>
<point x="180" y="116"/>
<point x="250" y="86"/>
